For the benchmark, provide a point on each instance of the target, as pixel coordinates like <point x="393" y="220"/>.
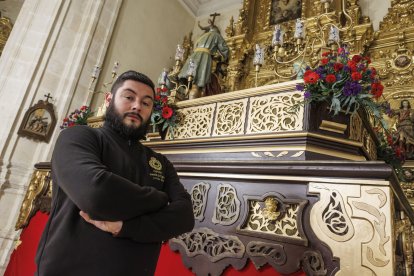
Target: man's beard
<point x="115" y="121"/>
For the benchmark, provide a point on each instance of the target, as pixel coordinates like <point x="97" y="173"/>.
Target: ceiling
<point x="201" y="8"/>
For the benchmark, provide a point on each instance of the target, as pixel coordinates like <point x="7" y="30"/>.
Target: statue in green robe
<point x="210" y="44"/>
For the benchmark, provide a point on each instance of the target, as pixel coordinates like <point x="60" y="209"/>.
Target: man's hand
<point x="112" y="227"/>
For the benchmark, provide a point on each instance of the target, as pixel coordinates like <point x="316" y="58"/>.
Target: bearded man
<point x="114" y="200"/>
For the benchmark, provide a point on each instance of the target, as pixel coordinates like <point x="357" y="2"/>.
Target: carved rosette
<point x="230" y="118"/>
<point x="194" y="122"/>
<point x="199" y="197"/>
<point x="276" y="112"/>
<point x="227" y="204"/>
<point x="351" y="216"/>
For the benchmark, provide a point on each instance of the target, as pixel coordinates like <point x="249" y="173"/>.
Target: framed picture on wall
<point x="285" y="10"/>
<point x="39" y="121"/>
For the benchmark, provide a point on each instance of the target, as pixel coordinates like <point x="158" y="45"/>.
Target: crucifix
<point x="48" y="97"/>
<point x="214" y="15"/>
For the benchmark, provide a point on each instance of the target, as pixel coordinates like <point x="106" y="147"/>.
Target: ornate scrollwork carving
<point x="5" y="30"/>
<point x="313" y="264"/>
<point x="227" y="208"/>
<point x="369" y="145"/>
<point x="274" y="254"/>
<point x="334" y="220"/>
<point x="38" y="197"/>
<point x="399" y="16"/>
<point x="355" y="130"/>
<point x="194" y="122"/>
<point x="335" y="217"/>
<point x="399" y="68"/>
<point x="404" y="235"/>
<point x="277" y="112"/>
<point x="379" y="226"/>
<point x="199" y="194"/>
<point x="369" y="209"/>
<point x="277" y="222"/>
<point x="230" y="117"/>
<point x="206" y="242"/>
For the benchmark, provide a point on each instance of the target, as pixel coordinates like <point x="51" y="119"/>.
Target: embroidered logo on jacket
<point x="156" y="173"/>
<point x="155" y="164"/>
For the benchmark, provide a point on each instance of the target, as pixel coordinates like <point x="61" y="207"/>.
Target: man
<point x="114" y="200"/>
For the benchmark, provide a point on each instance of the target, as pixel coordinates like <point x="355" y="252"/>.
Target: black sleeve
<point x="79" y="172"/>
<point x="174" y="219"/>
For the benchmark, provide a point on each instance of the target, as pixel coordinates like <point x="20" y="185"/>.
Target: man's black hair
<point x="132" y="75"/>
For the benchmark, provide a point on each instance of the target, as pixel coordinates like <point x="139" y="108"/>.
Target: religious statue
<point x="210" y="45"/>
<point x="405" y="128"/>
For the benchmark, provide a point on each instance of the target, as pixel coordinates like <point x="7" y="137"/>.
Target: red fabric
<point x="22" y="260"/>
<point x="169" y="264"/>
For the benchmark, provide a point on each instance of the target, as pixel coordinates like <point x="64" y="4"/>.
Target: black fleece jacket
<point x="111" y="178"/>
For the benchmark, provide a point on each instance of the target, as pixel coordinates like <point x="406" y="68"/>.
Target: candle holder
<point x="114" y="73"/>
<point x="258" y="60"/>
<point x="298" y="48"/>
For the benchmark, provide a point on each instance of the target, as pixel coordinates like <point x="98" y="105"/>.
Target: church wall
<point x="52" y="49"/>
<point x="144" y="39"/>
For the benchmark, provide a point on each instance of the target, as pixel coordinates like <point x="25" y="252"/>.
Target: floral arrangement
<point x="164" y="115"/>
<point x="77" y="117"/>
<point x="346" y="83"/>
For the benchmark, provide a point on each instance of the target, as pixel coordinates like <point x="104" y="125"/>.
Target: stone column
<point x="52" y="49"/>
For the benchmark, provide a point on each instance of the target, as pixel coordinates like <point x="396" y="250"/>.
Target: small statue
<point x="405" y="127"/>
<point x="210" y="45"/>
<point x="270" y="211"/>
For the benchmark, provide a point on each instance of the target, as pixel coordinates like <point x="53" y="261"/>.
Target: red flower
<point x="325" y="54"/>
<point x="373" y="73"/>
<point x="167" y="112"/>
<point x="158" y="90"/>
<point x="341" y="50"/>
<point x="338" y="67"/>
<point x="376" y="89"/>
<point x="157" y="97"/>
<point x="398" y="152"/>
<point x="356" y="76"/>
<point x="310" y="77"/>
<point x="389" y="140"/>
<point x="164" y="89"/>
<point x="368" y="59"/>
<point x="165" y="99"/>
<point x="71" y="124"/>
<point x="356" y="58"/>
<point x="83" y="107"/>
<point x="324" y="61"/>
<point x="66" y="119"/>
<point x="330" y="78"/>
<point x="352" y="65"/>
